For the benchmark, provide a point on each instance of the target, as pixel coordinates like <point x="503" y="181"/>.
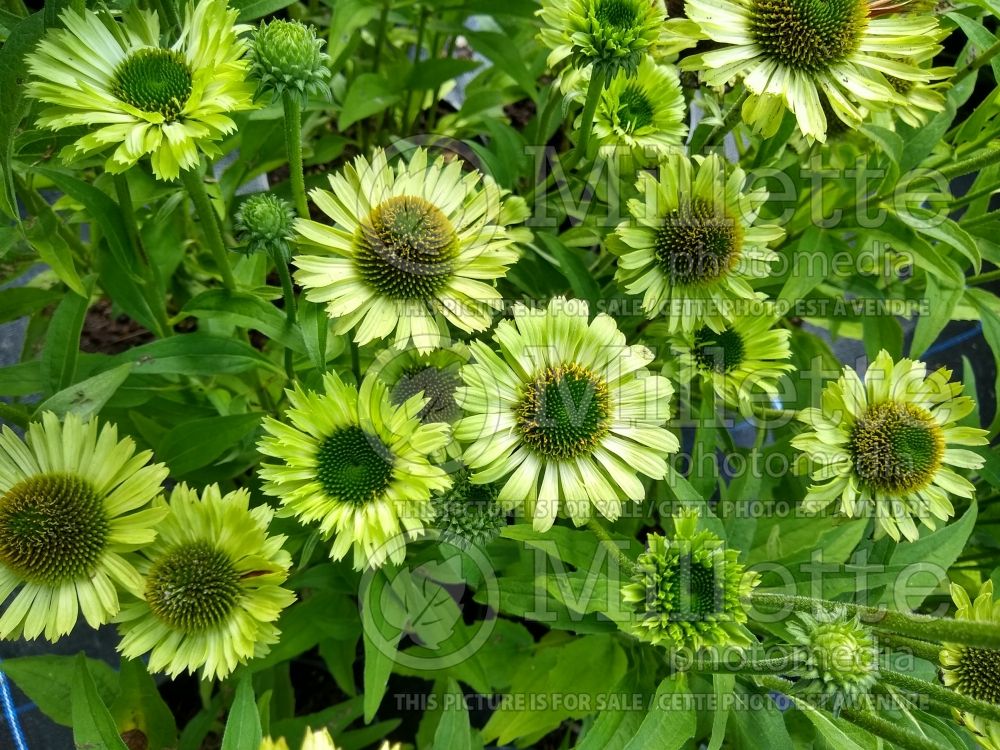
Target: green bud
<point x="264" y="223"/>
<point x="288" y="56"/>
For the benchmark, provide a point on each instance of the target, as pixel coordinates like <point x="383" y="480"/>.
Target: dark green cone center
<point x="437" y="385"/>
<point x="353" y="466"/>
<point x="564" y="412"/>
<point x="697" y="244"/>
<point x="154" y="80"/>
<point x="406" y="249"/>
<point x="634" y="109"/>
<point x="193" y="587"/>
<point x="809" y="35"/>
<point x="620" y="14"/>
<point x="52" y="528"/>
<point x="896" y="447"/>
<point x="718" y="352"/>
<point x="979" y="674"/>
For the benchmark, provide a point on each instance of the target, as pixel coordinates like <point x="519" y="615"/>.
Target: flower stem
<point x="941" y="694"/>
<point x="975" y="63"/>
<point x="288" y="293"/>
<point x="613" y="548"/>
<point x="776" y="665"/>
<point x="597" y="78"/>
<point x="355" y="361"/>
<point x="728" y="121"/>
<point x="921" y="649"/>
<point x="887" y="730"/>
<point x="293" y="144"/>
<point x="924" y="627"/>
<point x="209" y="224"/>
<point x="983" y="278"/>
<point x="154" y="287"/>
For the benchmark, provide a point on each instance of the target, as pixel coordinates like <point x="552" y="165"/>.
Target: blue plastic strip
<point x="955" y="340"/>
<point x="10" y="714"/>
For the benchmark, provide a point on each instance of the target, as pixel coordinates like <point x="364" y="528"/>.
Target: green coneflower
<point x="212" y="586"/>
<point x="643" y="112"/>
<point x="883" y="446"/>
<point x="742" y="361"/>
<point x="468" y="514"/>
<point x="73" y="509"/>
<point x="264" y="223"/>
<point x="411" y="249"/>
<point x="165" y="102"/>
<point x="568" y="411"/>
<point x="288" y="56"/>
<point x="691" y="247"/>
<point x="841" y="662"/>
<point x="975" y="672"/>
<point x="609" y="34"/>
<point x="358" y="465"/>
<point x="686" y="592"/>
<point x="789" y="53"/>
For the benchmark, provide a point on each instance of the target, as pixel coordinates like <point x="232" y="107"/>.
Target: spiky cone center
<point x="685" y="588"/>
<point x="697" y="243"/>
<point x="808" y="35"/>
<point x="288" y="50"/>
<point x="977" y="674"/>
<point x="564" y="412"/>
<point x="843" y="653"/>
<point x="52" y="528"/>
<point x="718" y="352"/>
<point x="435" y="384"/>
<point x="897" y="447"/>
<point x="406" y="248"/>
<point x="468" y="513"/>
<point x="153" y="80"/>
<point x="620" y="15"/>
<point x="635" y="111"/>
<point x="353" y="466"/>
<point x="264" y="219"/>
<point x="193" y="587"/>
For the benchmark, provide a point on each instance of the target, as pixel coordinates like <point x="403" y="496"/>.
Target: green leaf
<point x="582" y="667"/>
<point x="139" y="707"/>
<point x="369" y="94"/>
<point x="573" y="268"/>
<point x="93" y="727"/>
<point x="252" y="9"/>
<point x="941" y="228"/>
<point x="24" y="379"/>
<point x="616" y="725"/>
<point x="506" y="56"/>
<point x="762" y="727"/>
<point x="243" y="729"/>
<point x="882" y="332"/>
<point x="62" y="344"/>
<point x="247" y="311"/>
<point x="13" y="74"/>
<point x="89" y="396"/>
<point x="25" y="300"/>
<point x="723" y="685"/>
<point x="666" y="726"/>
<point x="941" y="299"/>
<point x="381" y="640"/>
<point x="47" y="679"/>
<point x="43" y="235"/>
<point x="198" y="442"/>
<point x="922" y="565"/>
<point x="986" y="303"/>
<point x="431" y="74"/>
<point x="454" y="732"/>
<point x="196" y="354"/>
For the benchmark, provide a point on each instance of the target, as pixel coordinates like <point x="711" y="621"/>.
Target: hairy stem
<point x="209" y="224"/>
